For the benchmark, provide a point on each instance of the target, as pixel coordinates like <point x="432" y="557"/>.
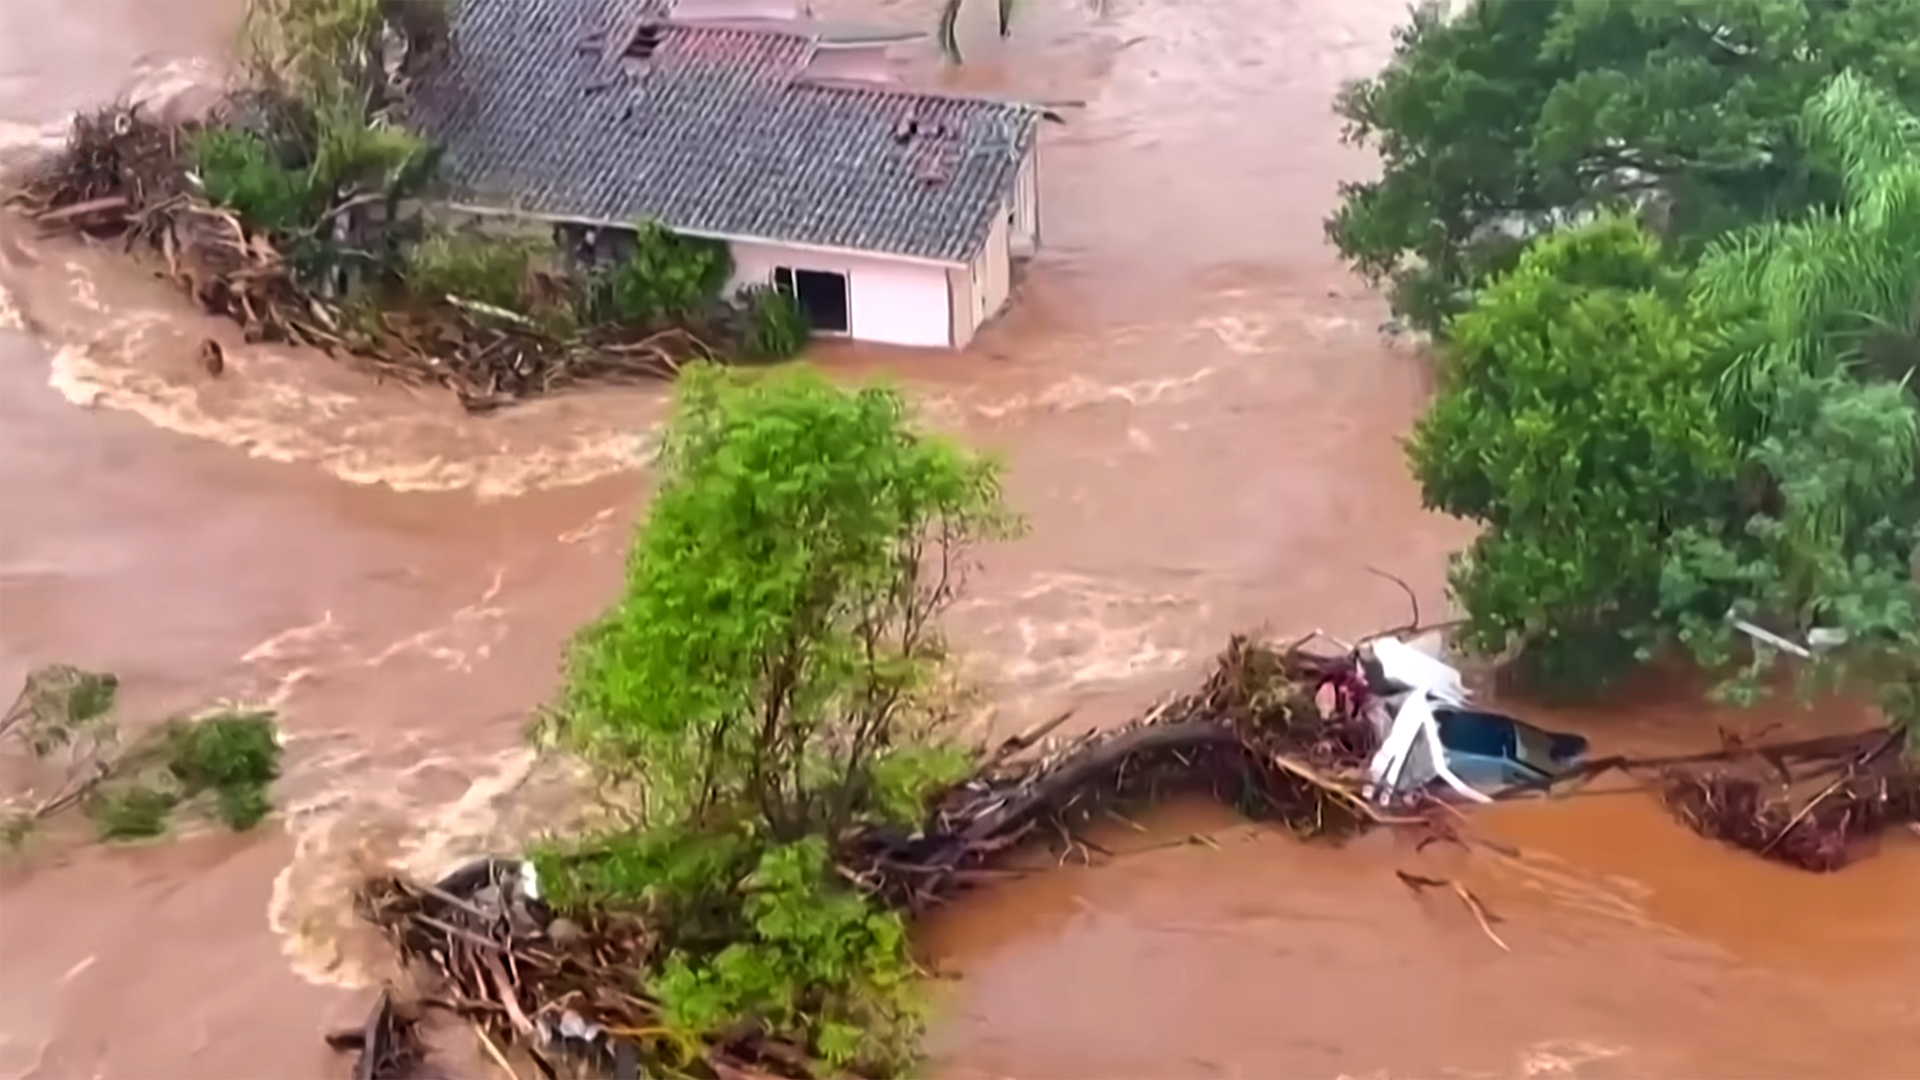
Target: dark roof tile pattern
<point x="716" y="132"/>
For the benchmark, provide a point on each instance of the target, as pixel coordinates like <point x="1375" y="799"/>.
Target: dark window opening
<point x="823" y="295"/>
<point x="646" y="39"/>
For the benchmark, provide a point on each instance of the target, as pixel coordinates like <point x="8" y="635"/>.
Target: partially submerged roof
<point x="599" y="110"/>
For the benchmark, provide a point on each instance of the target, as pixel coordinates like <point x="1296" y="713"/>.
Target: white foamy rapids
<point x="174" y="89"/>
<point x="11" y="317"/>
<point x="1073" y="632"/>
<point x="266" y="406"/>
<point x="22" y="144"/>
<point x="365" y="821"/>
<point x="408" y="807"/>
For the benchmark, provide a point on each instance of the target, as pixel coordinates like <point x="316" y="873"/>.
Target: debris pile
<point x="1276" y="731"/>
<point x="1280" y="734"/>
<point x="1821" y="818"/>
<point x="124" y="174"/>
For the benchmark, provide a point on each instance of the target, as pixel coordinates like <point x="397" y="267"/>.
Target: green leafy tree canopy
<point x="1576" y="422"/>
<point x="780" y="610"/>
<point x="1516" y="116"/>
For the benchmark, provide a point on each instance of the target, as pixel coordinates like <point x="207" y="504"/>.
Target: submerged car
<point x="1489" y="750"/>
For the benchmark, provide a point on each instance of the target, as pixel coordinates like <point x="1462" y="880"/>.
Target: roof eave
<point x="481" y="210"/>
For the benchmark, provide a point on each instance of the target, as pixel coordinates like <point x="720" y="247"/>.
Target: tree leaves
<point x="780" y="600"/>
<point x="1575" y="415"/>
<point x="1517" y="116"/>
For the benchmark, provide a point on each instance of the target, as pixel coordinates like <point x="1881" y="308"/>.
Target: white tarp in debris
<point x="1410" y="754"/>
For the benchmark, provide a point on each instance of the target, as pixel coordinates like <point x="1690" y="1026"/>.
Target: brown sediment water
<point x="1201" y="421"/>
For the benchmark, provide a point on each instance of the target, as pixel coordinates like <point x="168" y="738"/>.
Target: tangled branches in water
<point x="327" y="265"/>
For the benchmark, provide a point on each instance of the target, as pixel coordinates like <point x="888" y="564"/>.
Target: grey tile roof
<point x="718" y="132"/>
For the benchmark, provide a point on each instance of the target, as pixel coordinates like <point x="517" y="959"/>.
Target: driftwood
<point x="556" y="990"/>
<point x="1279" y="733"/>
<point x="124" y="175"/>
<point x="1254" y="735"/>
<point x="1820" y="819"/>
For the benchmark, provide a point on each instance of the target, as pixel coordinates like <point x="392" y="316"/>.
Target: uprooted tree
<point x="62" y="737"/>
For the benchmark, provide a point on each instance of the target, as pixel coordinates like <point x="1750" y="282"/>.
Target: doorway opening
<point x="823" y="295"/>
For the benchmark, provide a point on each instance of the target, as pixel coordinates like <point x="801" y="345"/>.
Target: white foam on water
<point x="1079" y="392"/>
<point x="10" y="315"/>
<point x="277" y="420"/>
<point x="364" y="822"/>
<point x="358" y="814"/>
<point x="1071" y="631"/>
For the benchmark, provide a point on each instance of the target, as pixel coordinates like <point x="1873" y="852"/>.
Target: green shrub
<point x="233" y="757"/>
<point x="775" y="325"/>
<point x="131" y="811"/>
<point x="225" y="750"/>
<point x="758" y="934"/>
<point x="492" y="270"/>
<point x="241" y="171"/>
<point x="782" y="598"/>
<point x="667" y="277"/>
<point x="906" y="779"/>
<point x="814" y="961"/>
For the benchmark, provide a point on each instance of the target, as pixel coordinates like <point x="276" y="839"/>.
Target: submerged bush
<point x="493" y="270"/>
<point x="230" y="759"/>
<point x="665" y="278"/>
<point x="774" y="324"/>
<point x="766" y="935"/>
<point x="125" y="812"/>
<point x="235" y="756"/>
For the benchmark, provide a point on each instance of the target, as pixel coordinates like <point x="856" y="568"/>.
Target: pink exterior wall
<point x="741" y="9"/>
<point x="866" y="63"/>
<point x="893" y="302"/>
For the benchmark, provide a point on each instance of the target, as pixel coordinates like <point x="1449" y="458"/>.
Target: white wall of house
<point x="993" y="271"/>
<point x="1025" y="240"/>
<point x="960" y="305"/>
<point x="890" y="301"/>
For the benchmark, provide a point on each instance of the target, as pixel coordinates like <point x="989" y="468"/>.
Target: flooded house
<point x="892" y="214"/>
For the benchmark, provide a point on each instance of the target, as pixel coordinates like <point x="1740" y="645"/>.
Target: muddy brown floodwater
<point x="1201" y="421"/>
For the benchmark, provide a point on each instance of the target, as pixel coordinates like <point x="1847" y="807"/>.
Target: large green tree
<point x="1576" y="423"/>
<point x="1818" y="324"/>
<point x="1656" y="448"/>
<point x="1514" y="116"/>
<point x="782" y="601"/>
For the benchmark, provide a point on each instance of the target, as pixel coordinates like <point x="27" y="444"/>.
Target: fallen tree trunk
<point x="1253" y="733"/>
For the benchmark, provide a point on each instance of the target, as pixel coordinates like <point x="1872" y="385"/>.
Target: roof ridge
<point x="907" y="90"/>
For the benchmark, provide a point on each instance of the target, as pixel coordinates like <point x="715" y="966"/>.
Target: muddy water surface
<point x="1201" y="423"/>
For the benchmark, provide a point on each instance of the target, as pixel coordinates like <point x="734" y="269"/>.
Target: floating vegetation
<point x="63" y="726"/>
